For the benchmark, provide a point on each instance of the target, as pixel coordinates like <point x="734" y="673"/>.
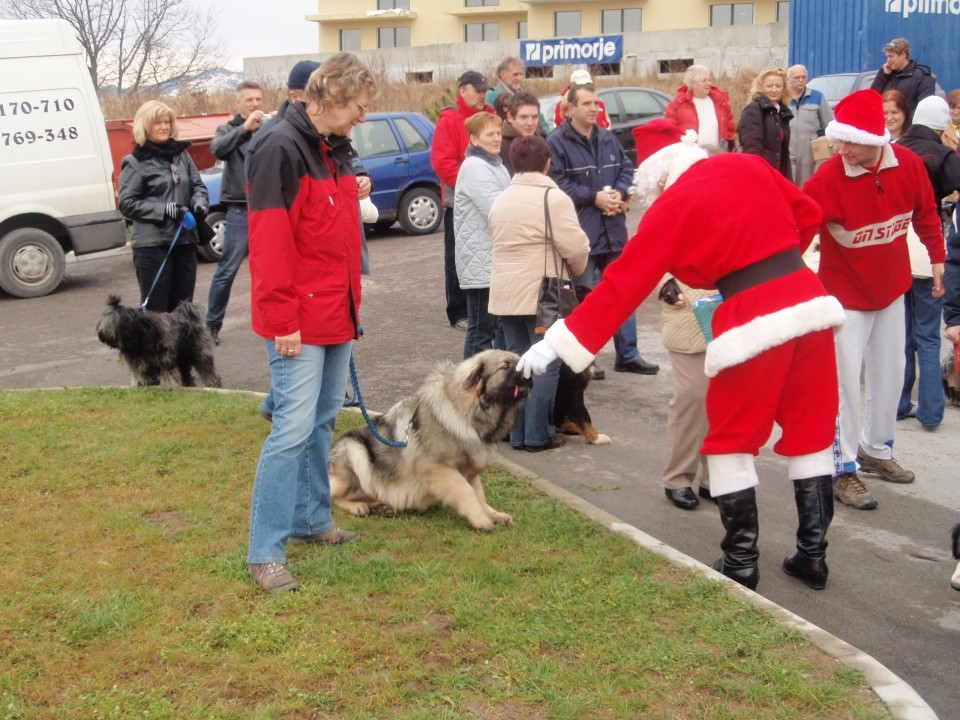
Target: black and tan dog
<point x="450" y="427"/>
<point x="160" y="347"/>
<point x="570" y="414"/>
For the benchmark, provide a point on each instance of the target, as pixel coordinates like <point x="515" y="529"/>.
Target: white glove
<point x="536" y="359"/>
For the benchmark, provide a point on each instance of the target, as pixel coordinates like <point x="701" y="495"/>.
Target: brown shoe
<point x="273" y="577"/>
<point x="888" y="470"/>
<point x="333" y="536"/>
<point x="849" y="489"/>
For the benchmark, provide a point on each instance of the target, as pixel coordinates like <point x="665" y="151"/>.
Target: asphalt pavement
<point x="888" y="593"/>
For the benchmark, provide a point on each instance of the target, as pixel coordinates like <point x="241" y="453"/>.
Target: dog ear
<point x="476" y="375"/>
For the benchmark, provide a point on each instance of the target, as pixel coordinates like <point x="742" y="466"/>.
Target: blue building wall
<point x="830" y="36"/>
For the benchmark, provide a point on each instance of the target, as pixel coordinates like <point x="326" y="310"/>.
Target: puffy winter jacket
<point x="152" y="176"/>
<point x="482" y="178"/>
<point x="230" y="145"/>
<point x="915" y="81"/>
<point x="582" y="167"/>
<point x="304" y="234"/>
<point x="942" y="163"/>
<point x="521" y="256"/>
<point x="764" y="130"/>
<point x="683" y="113"/>
<point x="449" y="147"/>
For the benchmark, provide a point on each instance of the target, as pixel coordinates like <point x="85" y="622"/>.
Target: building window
<point x="478" y="32"/>
<point x="423" y="77"/>
<point x="676" y="65"/>
<point x="522" y="30"/>
<point x="783" y="11"/>
<point x="541" y="72"/>
<point x="392" y="37"/>
<point x="731" y="14"/>
<point x="620" y="21"/>
<point x="481" y="3"/>
<point x="566" y="23"/>
<point x="605" y="69"/>
<point x="350" y="39"/>
<point x="393" y="4"/>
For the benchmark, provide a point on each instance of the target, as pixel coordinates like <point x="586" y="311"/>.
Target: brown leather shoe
<point x="273" y="577"/>
<point x="333" y="536"/>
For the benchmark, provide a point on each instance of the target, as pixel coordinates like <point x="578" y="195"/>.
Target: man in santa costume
<point x="772" y="356"/>
<point x="870" y="192"/>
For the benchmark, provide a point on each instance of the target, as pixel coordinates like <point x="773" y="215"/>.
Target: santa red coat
<point x="722" y="215"/>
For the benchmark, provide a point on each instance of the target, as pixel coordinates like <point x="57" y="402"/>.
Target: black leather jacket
<point x="765" y="132"/>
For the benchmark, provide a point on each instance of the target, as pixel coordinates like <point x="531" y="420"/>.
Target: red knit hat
<point x="858" y="119"/>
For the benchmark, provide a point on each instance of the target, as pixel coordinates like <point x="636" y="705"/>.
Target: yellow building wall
<point x="442" y="21"/>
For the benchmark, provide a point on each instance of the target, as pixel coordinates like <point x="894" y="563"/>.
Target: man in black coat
<point x="901" y="73"/>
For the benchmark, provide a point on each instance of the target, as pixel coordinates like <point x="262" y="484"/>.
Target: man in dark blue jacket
<point x="589" y="165"/>
<point x="901" y="73"/>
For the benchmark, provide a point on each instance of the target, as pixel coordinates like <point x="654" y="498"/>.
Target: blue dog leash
<point x="189" y="222"/>
<point x="363" y="409"/>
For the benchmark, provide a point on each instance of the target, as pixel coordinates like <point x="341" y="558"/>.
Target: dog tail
<point x="956" y="541"/>
<point x="113" y="300"/>
<point x="191" y="311"/>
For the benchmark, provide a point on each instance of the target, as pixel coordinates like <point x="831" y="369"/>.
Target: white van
<point x="56" y="189"/>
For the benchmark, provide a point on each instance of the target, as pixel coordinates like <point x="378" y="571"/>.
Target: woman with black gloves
<point x="159" y="183"/>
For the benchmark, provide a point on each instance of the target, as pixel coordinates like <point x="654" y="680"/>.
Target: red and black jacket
<point x="304" y="234"/>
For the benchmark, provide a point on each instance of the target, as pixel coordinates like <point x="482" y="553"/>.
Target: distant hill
<point x="210" y="81"/>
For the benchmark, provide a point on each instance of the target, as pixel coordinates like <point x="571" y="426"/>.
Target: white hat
<point x="933" y="112"/>
<point x="664" y="167"/>
<point x="580" y="77"/>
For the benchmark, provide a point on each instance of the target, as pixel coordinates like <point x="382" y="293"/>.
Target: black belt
<point x="771" y="268"/>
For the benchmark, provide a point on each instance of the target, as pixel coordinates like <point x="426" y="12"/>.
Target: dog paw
<point x="485" y="525"/>
<point x="383" y="510"/>
<point x="601" y="439"/>
<point x="502" y="518"/>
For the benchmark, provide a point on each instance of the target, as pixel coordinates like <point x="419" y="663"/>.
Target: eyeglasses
<point x="363" y="108"/>
<point x="176" y="175"/>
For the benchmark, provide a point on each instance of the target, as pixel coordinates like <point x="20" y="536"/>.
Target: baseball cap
<point x="472" y="77"/>
<point x="300" y="73"/>
<point x="580" y="77"/>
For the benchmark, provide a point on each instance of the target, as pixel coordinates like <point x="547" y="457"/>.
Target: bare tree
<point x="132" y="44"/>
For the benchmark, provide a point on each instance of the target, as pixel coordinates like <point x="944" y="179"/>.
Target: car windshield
<point x="833" y="87"/>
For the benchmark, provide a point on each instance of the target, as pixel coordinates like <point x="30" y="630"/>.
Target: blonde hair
<point x="757" y="87"/>
<point x="479" y="122"/>
<point x="149" y="113"/>
<point x="339" y="79"/>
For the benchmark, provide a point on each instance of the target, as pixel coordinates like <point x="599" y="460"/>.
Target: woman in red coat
<point x="702" y="106"/>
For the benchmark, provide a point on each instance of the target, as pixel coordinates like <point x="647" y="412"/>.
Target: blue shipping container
<point x="829" y="36"/>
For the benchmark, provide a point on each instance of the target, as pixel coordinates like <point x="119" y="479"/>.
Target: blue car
<point x="394" y="148"/>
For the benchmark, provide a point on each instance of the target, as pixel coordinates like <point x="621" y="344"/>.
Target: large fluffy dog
<point x="160" y="347"/>
<point x="451" y="427"/>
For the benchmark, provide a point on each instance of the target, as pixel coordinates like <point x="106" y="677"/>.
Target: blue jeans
<point x="625" y="339"/>
<point x="291" y="492"/>
<point x="922" y="349"/>
<point x="534" y="426"/>
<point x="481" y="325"/>
<point x="235" y="246"/>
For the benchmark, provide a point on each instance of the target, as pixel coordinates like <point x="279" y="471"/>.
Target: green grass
<point x="123" y="528"/>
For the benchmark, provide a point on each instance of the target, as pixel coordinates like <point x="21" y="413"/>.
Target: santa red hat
<point x="653" y="136"/>
<point x="858" y="119"/>
<point x="661" y="170"/>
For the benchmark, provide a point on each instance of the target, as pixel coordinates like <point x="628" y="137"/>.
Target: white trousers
<point x="871" y="341"/>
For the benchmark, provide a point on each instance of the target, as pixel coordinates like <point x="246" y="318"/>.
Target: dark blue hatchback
<point x="394" y="148"/>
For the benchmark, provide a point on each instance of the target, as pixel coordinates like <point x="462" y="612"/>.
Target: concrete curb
<point x="901" y="700"/>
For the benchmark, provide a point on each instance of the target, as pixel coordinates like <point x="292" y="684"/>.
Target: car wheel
<point x="420" y="211"/>
<point x="213" y="250"/>
<point x="32" y="263"/>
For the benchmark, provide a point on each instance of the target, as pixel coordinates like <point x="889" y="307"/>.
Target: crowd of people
<point x="787" y="343"/>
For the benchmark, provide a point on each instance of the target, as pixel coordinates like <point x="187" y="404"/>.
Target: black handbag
<point x="557" y="297"/>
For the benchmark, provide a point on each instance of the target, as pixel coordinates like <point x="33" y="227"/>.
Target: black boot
<point x="738" y="512"/>
<point x="815" y="509"/>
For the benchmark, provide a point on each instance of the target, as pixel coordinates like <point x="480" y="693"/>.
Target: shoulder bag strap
<point x="548" y="232"/>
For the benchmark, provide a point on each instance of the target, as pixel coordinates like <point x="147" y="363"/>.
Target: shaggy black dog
<point x="158" y="346"/>
<point x="955" y="537"/>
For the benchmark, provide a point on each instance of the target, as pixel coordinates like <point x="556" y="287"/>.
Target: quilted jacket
<point x="481" y="179"/>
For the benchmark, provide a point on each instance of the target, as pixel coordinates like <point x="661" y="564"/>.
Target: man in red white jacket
<point x="870" y="193"/>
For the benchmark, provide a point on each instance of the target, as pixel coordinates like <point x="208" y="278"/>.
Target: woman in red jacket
<point x="702" y="106"/>
<point x="305" y="242"/>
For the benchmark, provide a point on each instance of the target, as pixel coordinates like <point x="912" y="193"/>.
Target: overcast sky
<point x="253" y="28"/>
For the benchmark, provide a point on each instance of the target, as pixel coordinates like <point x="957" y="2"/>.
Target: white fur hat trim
<point x="852" y="134"/>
